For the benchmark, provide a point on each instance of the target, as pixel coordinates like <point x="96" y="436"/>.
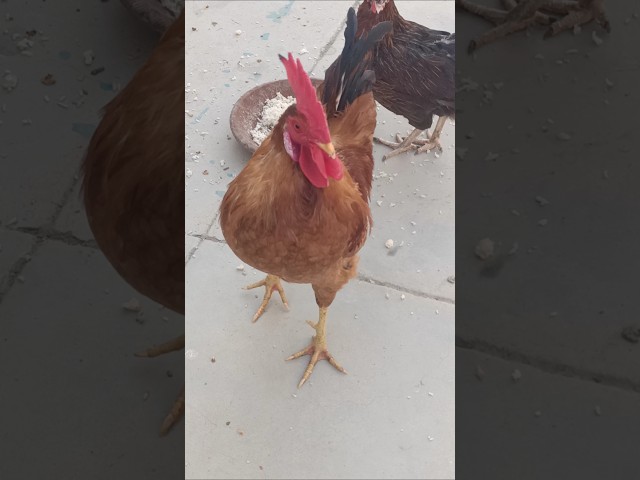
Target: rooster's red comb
<point x="307" y="101"/>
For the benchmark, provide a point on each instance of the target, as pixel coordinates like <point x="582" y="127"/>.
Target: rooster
<point x="415" y="74"/>
<point x="132" y="184"/>
<point x="299" y="209"/>
<point x="520" y="14"/>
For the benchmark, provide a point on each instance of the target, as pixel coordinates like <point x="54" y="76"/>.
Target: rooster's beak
<point x="328" y="149"/>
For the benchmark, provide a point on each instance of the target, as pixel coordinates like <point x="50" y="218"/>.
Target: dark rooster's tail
<point x="349" y="76"/>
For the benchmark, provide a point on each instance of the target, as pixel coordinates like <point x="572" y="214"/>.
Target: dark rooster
<point x="415" y="68"/>
<point x="133" y="184"/>
<point x="299" y="210"/>
<point x="557" y="15"/>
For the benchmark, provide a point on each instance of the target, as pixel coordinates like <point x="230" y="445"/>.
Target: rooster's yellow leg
<point x="317" y="349"/>
<point x="271" y="283"/>
<point x="170" y="346"/>
<point x="403" y="146"/>
<point x="177" y="411"/>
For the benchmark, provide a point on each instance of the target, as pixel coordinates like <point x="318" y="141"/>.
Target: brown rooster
<point x="133" y="184"/>
<point x="415" y="74"/>
<point x="558" y="15"/>
<point x="299" y="209"/>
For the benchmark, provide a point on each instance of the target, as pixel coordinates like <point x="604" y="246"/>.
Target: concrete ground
<point x="75" y="402"/>
<point x="392" y="328"/>
<point x="558" y="306"/>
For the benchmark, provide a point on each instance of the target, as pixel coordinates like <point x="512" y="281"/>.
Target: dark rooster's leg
<point x="318" y="348"/>
<point x="271" y="284"/>
<point x="177" y="411"/>
<point x="526" y="12"/>
<point x="402" y="146"/>
<point x="434" y="138"/>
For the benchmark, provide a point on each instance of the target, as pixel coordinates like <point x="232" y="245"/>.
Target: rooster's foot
<point x="271" y="284"/>
<point x="170" y="346"/>
<point x="578" y="13"/>
<point x="317" y="349"/>
<point x="428" y="145"/>
<point x="177" y="411"/>
<point x="522" y="14"/>
<point x="403" y="145"/>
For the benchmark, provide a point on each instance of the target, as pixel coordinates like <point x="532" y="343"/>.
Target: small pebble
<point x="88" y="56"/>
<point x="389" y="243"/>
<point x="9" y="81"/>
<point x="484" y="249"/>
<point x="516" y="375"/>
<point x="596" y="39"/>
<point x="132" y="305"/>
<point x="542" y="201"/>
<point x="238" y="32"/>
